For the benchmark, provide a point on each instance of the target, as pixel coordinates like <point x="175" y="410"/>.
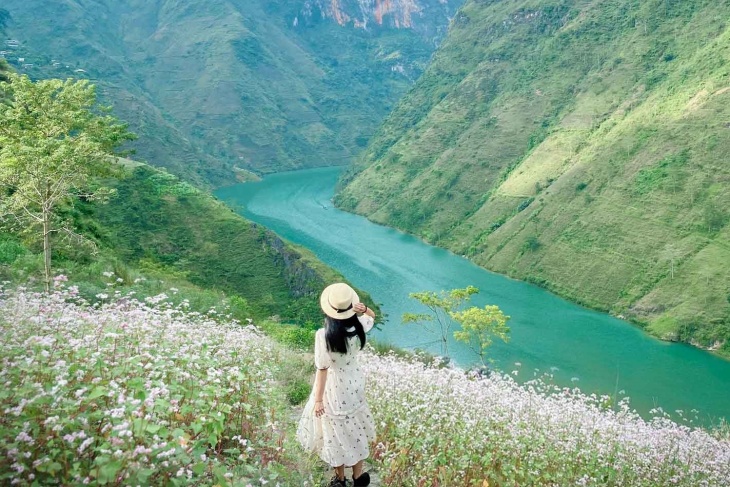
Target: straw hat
<point x="337" y="301"/>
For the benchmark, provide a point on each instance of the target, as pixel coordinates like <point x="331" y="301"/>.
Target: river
<point x="550" y="335"/>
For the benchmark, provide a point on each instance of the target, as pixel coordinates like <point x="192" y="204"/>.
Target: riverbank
<point x="576" y="346"/>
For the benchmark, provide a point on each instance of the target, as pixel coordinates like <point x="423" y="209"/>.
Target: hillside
<point x="216" y="86"/>
<point x="579" y="145"/>
<point x="147" y="393"/>
<point x="161" y="229"/>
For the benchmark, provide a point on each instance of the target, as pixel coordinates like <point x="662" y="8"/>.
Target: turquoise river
<point x="550" y="335"/>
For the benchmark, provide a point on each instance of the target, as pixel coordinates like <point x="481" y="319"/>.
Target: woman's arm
<point x="319" y="381"/>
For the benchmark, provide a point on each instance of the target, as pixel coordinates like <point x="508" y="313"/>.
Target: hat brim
<point x="325" y="305"/>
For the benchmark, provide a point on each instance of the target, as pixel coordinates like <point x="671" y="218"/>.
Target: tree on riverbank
<point x="478" y="325"/>
<point x="54" y="139"/>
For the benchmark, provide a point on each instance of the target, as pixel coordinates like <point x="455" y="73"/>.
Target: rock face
<point x="215" y="85"/>
<point x="364" y="14"/>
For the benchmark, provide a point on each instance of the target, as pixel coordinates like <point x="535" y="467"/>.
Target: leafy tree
<point x="440" y="305"/>
<point x="479" y="326"/>
<point x="54" y="139"/>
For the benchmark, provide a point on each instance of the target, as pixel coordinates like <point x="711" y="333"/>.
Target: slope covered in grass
<point x="161" y="227"/>
<point x="145" y="392"/>
<point x="579" y="145"/>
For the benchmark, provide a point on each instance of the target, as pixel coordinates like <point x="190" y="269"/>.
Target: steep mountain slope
<point x="579" y="145"/>
<point x="216" y="85"/>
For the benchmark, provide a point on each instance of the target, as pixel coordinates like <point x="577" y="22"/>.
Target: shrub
<point x="525" y="204"/>
<point x="531" y="244"/>
<point x="10" y="250"/>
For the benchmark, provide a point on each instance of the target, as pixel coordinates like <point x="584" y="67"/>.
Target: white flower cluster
<point x="443" y="424"/>
<point x="133" y="393"/>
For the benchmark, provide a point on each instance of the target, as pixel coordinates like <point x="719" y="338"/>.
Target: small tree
<point x="53" y="140"/>
<point x="479" y="326"/>
<point x="441" y="305"/>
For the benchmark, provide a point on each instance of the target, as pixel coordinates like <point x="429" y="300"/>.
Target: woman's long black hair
<point x="336" y="334"/>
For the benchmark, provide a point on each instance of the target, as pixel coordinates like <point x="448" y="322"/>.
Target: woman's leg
<point x="340" y="472"/>
<point x="357" y="470"/>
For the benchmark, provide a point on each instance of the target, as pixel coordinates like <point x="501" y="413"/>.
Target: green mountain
<point x="220" y="85"/>
<point x="580" y="145"/>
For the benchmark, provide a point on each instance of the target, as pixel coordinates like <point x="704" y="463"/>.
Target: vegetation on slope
<point x="155" y="221"/>
<point x="578" y="145"/>
<point x="160" y="226"/>
<point x="147" y="393"/>
<point x="212" y="86"/>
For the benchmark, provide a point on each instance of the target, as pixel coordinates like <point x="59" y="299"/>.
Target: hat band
<point x="338" y="309"/>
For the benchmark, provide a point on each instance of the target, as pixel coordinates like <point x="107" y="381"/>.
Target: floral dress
<point x="341" y="436"/>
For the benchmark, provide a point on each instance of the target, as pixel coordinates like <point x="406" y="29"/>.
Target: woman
<point x="336" y="422"/>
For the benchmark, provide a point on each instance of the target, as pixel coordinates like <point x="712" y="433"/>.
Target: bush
<point x="10" y="250"/>
<point x="532" y="244"/>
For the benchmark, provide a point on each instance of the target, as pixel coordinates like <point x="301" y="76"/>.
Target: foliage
<point x="587" y="139"/>
<point x="52" y="142"/>
<point x="479" y="326"/>
<point x="444" y="310"/>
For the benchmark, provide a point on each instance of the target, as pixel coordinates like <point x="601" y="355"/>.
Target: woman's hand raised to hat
<point x="360" y="308"/>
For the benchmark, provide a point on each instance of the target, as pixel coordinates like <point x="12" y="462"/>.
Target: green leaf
<point x="97" y="392"/>
<point x="213" y="440"/>
<point x="108" y="472"/>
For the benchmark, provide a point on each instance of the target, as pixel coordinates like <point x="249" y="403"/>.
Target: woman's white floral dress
<point x="341" y="436"/>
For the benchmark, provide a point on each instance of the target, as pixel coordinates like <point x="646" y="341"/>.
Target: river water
<point x="591" y="350"/>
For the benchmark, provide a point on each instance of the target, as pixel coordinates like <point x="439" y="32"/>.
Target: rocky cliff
<point x="364" y="14"/>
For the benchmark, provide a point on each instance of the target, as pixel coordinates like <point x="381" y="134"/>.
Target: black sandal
<point x="335" y="482"/>
<point x="362" y="480"/>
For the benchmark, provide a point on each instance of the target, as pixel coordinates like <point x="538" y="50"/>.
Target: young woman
<point x="336" y="422"/>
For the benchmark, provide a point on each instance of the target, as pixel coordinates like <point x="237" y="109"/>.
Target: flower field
<point x="143" y="392"/>
<point x="440" y="427"/>
<point x="135" y="393"/>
